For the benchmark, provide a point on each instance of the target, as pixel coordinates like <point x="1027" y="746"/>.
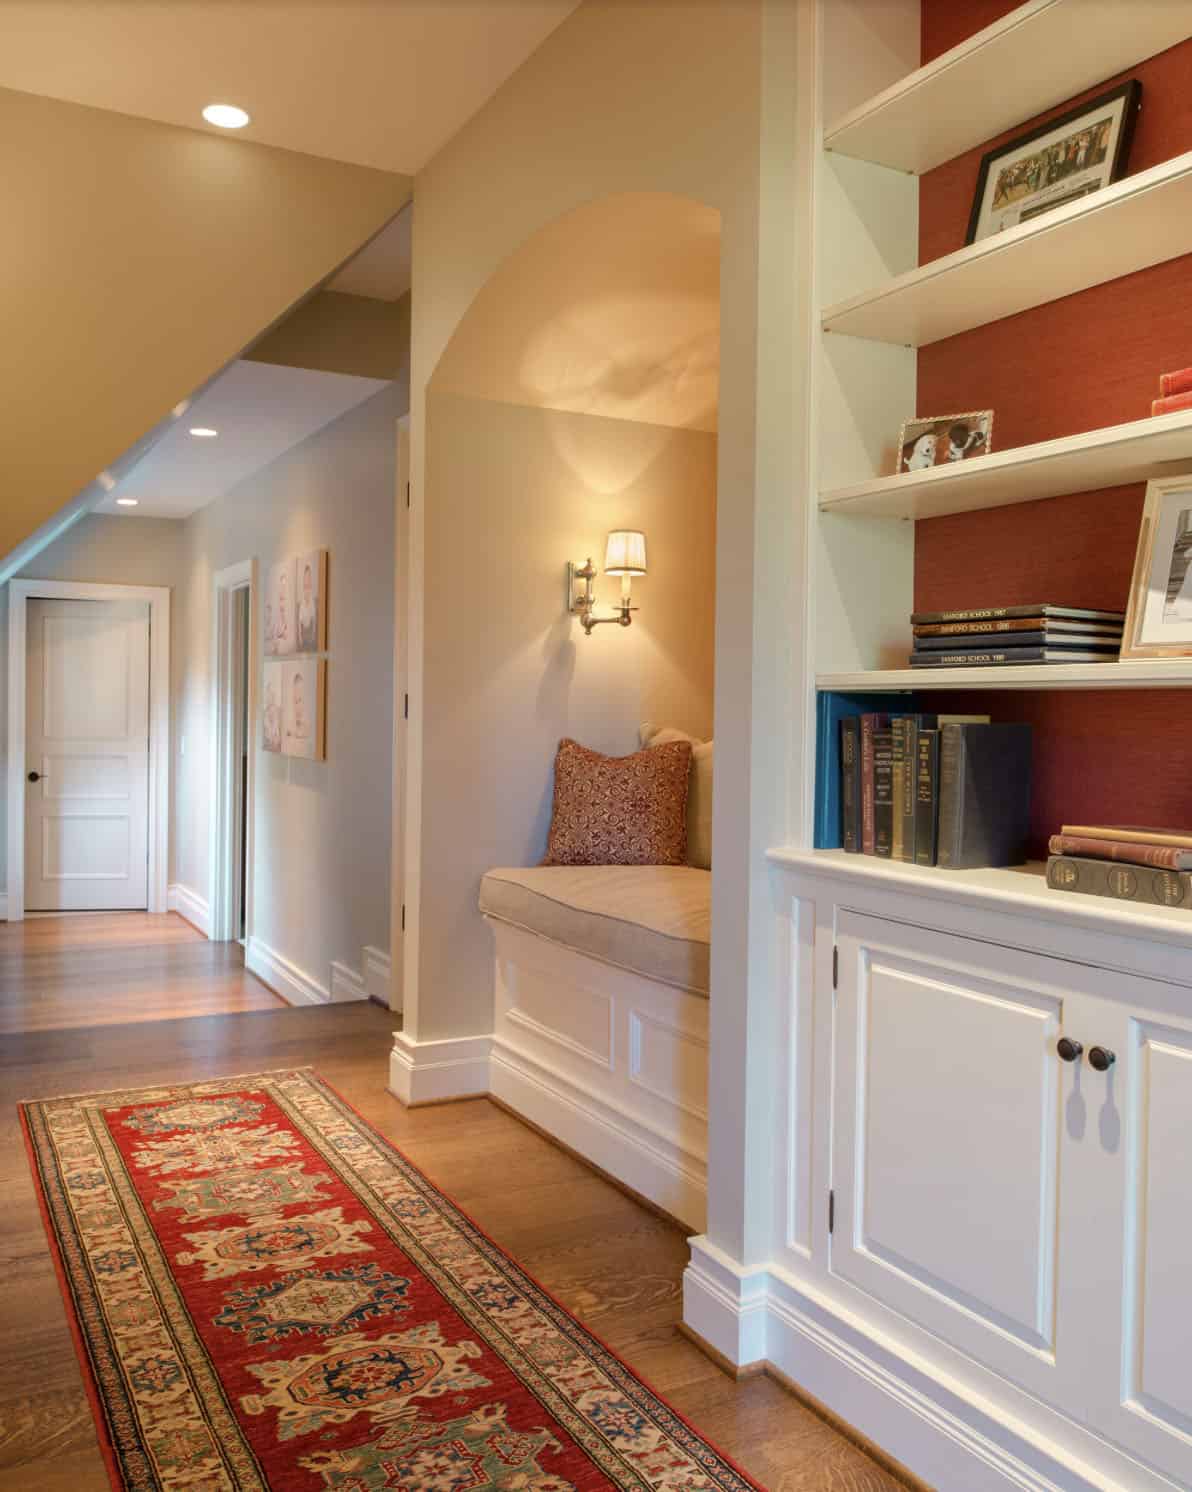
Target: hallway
<point x="90" y="1003"/>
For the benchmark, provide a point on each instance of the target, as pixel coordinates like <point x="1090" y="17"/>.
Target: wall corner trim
<point x="190" y="906"/>
<point x="284" y="978"/>
<point x="438" y="1071"/>
<point x="346" y="984"/>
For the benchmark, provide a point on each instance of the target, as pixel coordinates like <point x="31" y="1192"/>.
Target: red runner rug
<point x="266" y="1294"/>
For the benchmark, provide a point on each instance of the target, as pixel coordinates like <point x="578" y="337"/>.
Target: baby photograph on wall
<point x="303" y="701"/>
<point x="310" y="581"/>
<point x="279" y="622"/>
<point x="271" y="707"/>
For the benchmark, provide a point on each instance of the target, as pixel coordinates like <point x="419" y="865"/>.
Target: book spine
<point x="905" y="802"/>
<point x="1159" y="857"/>
<point x="850" y="784"/>
<point x="1179" y="839"/>
<point x="976" y="660"/>
<point x="1179" y="382"/>
<point x="951" y="776"/>
<point x="1172" y="403"/>
<point x="897" y="784"/>
<point x="1164" y="888"/>
<point x="869" y="724"/>
<point x="883" y="794"/>
<point x="927" y="803"/>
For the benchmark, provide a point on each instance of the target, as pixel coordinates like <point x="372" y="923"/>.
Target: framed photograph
<point x="1159" y="616"/>
<point x="271" y="707"/>
<point x="304" y="686"/>
<point x="278" y="626"/>
<point x="310" y="596"/>
<point x="944" y="438"/>
<point x="1060" y="162"/>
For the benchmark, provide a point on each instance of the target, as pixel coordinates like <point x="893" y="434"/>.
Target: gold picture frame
<point x="1159" y="614"/>
<point x="942" y="439"/>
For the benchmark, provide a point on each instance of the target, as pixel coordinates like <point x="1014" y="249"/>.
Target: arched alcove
<point x="578" y="394"/>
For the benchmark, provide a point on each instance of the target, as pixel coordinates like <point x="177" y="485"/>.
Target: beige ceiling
<point x="380" y="83"/>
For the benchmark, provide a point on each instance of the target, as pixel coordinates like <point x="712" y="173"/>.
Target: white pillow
<point x="699" y="793"/>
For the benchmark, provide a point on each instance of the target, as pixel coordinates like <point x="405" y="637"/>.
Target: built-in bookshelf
<point x="893" y="124"/>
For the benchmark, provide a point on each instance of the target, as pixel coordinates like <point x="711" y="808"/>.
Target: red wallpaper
<point x="1089" y="360"/>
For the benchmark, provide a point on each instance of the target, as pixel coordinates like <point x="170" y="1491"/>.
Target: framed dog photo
<point x="943" y="439"/>
<point x="1159" y="616"/>
<point x="1060" y="162"/>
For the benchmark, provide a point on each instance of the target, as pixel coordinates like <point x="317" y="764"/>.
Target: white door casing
<point x="227" y="796"/>
<point x="20" y="592"/>
<point x="87" y="756"/>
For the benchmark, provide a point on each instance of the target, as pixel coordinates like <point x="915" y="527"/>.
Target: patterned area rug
<point x="266" y="1294"/>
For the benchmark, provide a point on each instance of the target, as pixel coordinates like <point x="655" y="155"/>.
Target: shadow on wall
<point x="579" y="395"/>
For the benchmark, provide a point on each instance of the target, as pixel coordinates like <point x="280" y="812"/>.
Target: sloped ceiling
<point x="612" y="310"/>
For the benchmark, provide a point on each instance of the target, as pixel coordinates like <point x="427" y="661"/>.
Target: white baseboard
<point x="293" y="984"/>
<point x="189" y="904"/>
<point x="378" y="974"/>
<point x="346" y="984"/>
<point x="938" y="1428"/>
<point x="435" y="1071"/>
<point x="3" y="906"/>
<point x="611" y="1140"/>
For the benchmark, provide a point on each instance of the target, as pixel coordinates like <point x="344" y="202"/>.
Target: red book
<point x="1161" y="857"/>
<point x="1179" y="382"/>
<point x="1171" y="404"/>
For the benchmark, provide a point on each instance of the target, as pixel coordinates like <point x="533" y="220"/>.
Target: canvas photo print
<point x="310" y="604"/>
<point x="302" y="707"/>
<point x="943" y="439"/>
<point x="278" y="623"/>
<point x="271" y="707"/>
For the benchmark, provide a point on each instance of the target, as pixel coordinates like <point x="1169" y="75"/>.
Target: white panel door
<point x="948" y="1139"/>
<point x="87" y="756"/>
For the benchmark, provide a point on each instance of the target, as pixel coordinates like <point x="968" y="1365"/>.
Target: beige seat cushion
<point x="652" y="919"/>
<point x="699" y="793"/>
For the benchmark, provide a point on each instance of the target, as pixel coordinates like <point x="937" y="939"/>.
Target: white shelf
<point x="1096" y="459"/>
<point x="1140" y="221"/>
<point x="1158" y="673"/>
<point x="1039" y="55"/>
<point x="1021" y="888"/>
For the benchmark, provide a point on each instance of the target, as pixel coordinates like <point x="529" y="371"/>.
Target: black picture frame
<point x="1130" y="91"/>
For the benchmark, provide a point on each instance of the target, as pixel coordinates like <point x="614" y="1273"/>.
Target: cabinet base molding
<point x="923" y="1426"/>
<point x="438" y="1071"/>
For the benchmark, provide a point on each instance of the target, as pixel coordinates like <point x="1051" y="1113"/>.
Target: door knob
<point x="34" y="776"/>
<point x="1068" y="1049"/>
<point x="1101" y="1058"/>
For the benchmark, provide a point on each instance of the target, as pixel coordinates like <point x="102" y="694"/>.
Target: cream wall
<point x="320" y="872"/>
<point x="510" y="672"/>
<point x="120" y="551"/>
<point x="695" y="99"/>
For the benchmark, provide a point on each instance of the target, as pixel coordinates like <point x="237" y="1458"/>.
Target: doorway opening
<point x="232" y="774"/>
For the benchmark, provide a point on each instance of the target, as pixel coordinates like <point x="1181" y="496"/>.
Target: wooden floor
<point x="105" y="1002"/>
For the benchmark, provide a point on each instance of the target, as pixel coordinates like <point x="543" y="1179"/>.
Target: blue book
<point x="831" y="709"/>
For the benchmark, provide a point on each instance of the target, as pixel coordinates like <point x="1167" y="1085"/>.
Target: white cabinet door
<point x="948" y="1142"/>
<point x="87" y="756"/>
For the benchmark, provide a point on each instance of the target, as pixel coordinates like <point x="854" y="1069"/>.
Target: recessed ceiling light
<point x="126" y="502"/>
<point x="226" y="116"/>
<point x="203" y="432"/>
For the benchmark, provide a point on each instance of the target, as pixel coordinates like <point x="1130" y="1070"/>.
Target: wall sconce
<point x="625" y="555"/>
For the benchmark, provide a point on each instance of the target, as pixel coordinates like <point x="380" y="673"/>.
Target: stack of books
<point x="1128" y="863"/>
<point x="1175" y="392"/>
<point x="949" y="790"/>
<point x="993" y="636"/>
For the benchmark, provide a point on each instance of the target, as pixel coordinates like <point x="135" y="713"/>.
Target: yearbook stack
<point x="1124" y="862"/>
<point x="948" y="790"/>
<point x="999" y="636"/>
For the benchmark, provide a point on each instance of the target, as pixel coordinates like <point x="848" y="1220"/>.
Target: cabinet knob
<point x="1101" y="1058"/>
<point x="34" y="776"/>
<point x="1068" y="1049"/>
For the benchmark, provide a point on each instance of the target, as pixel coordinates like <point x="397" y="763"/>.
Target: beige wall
<point x="320" y="872"/>
<point x="139" y="259"/>
<point x="118" y="551"/>
<point x="510" y="672"/>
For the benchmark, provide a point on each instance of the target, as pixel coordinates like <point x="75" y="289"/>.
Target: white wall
<point x="320" y="872"/>
<point x="120" y="551"/>
<point x="510" y="671"/>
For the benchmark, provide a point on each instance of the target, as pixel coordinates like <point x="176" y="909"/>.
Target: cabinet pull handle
<point x="1068" y="1049"/>
<point x="1101" y="1058"/>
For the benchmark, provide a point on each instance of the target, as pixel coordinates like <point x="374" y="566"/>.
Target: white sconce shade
<point x="626" y="553"/>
